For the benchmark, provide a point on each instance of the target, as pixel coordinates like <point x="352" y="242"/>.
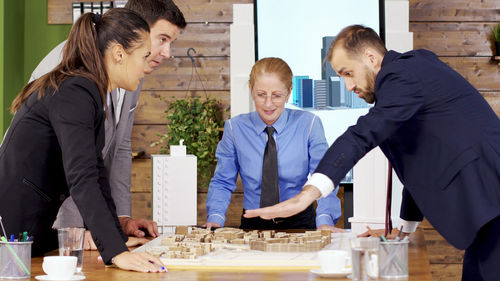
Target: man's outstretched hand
<point x="333" y="229"/>
<point x="289" y="207"/>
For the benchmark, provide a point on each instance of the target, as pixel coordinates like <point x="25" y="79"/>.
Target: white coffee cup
<point x="59" y="267"/>
<point x="333" y="260"/>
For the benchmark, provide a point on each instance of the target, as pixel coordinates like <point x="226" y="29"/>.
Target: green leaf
<point x="198" y="124"/>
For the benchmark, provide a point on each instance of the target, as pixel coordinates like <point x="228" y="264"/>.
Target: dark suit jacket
<point x="117" y="157"/>
<point x="430" y="123"/>
<point x="53" y="149"/>
<point x="117" y="151"/>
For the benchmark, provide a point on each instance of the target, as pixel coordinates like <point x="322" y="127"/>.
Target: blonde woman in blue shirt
<point x="298" y="143"/>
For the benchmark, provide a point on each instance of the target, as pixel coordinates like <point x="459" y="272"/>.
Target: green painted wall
<point x="13" y="46"/>
<point x="39" y="37"/>
<point x="2" y="16"/>
<point x="25" y="39"/>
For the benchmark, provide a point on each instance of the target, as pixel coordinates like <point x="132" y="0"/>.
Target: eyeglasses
<point x="275" y="98"/>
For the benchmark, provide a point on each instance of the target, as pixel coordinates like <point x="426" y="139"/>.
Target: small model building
<point x="310" y="241"/>
<point x="199" y="242"/>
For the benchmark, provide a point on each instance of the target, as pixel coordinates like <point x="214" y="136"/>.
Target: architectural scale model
<point x="185" y="244"/>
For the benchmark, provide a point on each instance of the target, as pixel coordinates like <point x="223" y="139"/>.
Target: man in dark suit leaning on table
<point x="438" y="132"/>
<point x="165" y="21"/>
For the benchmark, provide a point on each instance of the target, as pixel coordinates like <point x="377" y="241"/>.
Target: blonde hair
<point x="272" y="65"/>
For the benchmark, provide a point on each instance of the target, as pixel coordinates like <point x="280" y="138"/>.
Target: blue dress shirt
<point x="301" y="144"/>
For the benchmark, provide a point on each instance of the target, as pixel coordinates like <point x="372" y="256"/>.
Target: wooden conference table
<point x="419" y="269"/>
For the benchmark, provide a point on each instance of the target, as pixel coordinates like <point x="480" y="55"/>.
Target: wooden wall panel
<point x="209" y="10"/>
<point x="482" y="72"/>
<point x="454" y="39"/>
<point x="152" y="104"/>
<point x="141" y="205"/>
<point x="59" y="11"/>
<point x="234" y="210"/>
<point x="144" y="135"/>
<point x="175" y="74"/>
<point x="141" y="176"/>
<point x="454" y="10"/>
<point x="493" y="98"/>
<point x="214" y="38"/>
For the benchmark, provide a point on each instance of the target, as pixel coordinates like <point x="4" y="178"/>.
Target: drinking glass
<point x="364" y="258"/>
<point x="71" y="244"/>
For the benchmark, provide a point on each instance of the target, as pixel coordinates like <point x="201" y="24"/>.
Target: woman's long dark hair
<point x="83" y="54"/>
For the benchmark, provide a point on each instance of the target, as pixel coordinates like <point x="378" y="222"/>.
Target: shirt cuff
<point x="409" y="226"/>
<point x="324" y="219"/>
<point x="217" y="219"/>
<point x="124" y="216"/>
<point x="323" y="183"/>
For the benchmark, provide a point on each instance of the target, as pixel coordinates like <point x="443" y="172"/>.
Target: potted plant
<point x="496" y="37"/>
<point x="199" y="124"/>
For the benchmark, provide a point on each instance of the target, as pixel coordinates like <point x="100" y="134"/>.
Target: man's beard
<point x="369" y="92"/>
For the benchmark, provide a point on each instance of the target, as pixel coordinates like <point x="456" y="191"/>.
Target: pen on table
<point x="3" y="229"/>
<point x="399" y="234"/>
<point x="159" y="267"/>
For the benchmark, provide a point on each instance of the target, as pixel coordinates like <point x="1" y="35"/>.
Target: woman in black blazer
<point x="53" y="146"/>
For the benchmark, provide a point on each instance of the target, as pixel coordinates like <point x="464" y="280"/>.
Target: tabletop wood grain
<point x="419" y="269"/>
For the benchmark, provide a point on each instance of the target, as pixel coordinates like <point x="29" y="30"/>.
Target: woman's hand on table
<point x="142" y="262"/>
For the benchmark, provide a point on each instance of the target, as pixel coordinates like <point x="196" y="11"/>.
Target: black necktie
<point x="270" y="193"/>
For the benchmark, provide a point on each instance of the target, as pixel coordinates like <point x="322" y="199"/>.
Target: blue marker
<point x="162" y="267"/>
<point x="11" y="238"/>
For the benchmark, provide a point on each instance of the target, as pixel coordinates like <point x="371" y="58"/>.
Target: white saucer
<point x="74" y="277"/>
<point x="321" y="273"/>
